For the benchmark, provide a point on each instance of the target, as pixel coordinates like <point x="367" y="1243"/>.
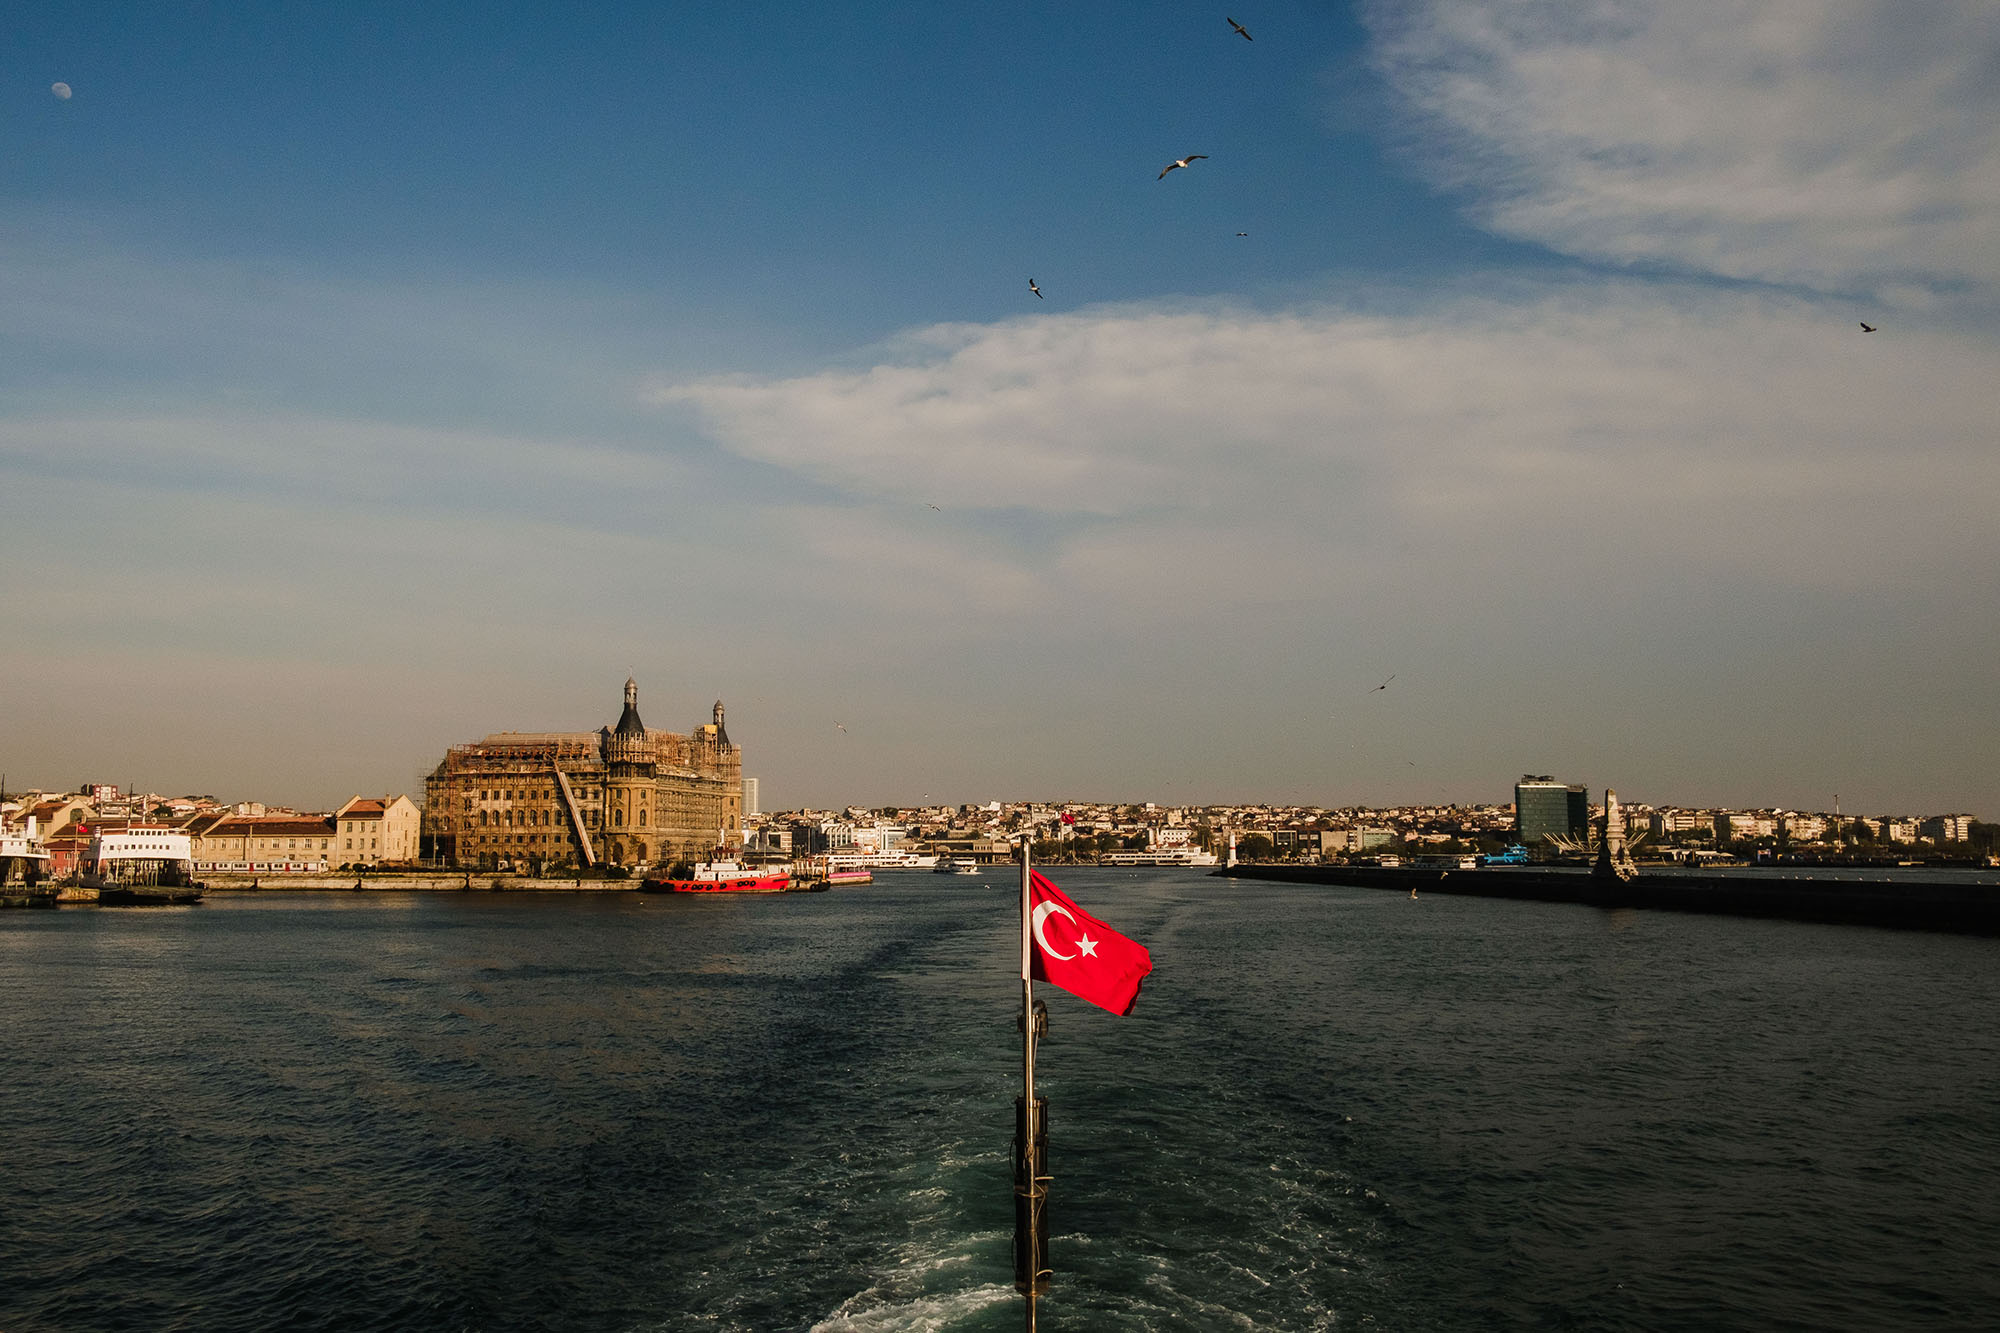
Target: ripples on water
<point x="1332" y="1108"/>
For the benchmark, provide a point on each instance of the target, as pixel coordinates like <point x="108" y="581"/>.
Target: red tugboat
<point x="723" y="877"/>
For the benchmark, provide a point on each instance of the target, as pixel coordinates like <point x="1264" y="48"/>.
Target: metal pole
<point x="1027" y="998"/>
<point x="1030" y="1151"/>
<point x="1028" y="1100"/>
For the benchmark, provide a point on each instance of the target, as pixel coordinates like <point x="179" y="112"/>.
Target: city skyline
<point x="124" y="802"/>
<point x="377" y="379"/>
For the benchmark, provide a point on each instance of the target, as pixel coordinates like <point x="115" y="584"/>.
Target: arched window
<point x="642" y="817"/>
<point x="618" y="819"/>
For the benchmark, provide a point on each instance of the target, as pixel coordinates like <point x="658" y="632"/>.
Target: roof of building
<point x="267" y="826"/>
<point x="628" y="721"/>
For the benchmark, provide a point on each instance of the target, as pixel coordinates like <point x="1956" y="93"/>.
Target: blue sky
<point x="372" y="378"/>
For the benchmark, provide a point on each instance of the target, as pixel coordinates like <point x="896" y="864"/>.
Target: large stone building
<point x="618" y="796"/>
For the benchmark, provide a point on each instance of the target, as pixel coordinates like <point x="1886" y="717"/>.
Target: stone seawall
<point x="441" y="882"/>
<point x="1970" y="906"/>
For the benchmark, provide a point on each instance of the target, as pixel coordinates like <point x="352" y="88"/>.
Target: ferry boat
<point x="141" y="867"/>
<point x="1162" y="856"/>
<point x="24" y="872"/>
<point x="723" y="877"/>
<point x="891" y="860"/>
<point x="962" y="865"/>
<point x="849" y="877"/>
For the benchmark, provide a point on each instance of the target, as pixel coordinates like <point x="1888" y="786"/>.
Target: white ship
<point x="24" y="872"/>
<point x="895" y="860"/>
<point x="963" y="865"/>
<point x="1162" y="856"/>
<point x="141" y="867"/>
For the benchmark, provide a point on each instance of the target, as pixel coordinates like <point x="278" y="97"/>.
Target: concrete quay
<point x="460" y="881"/>
<point x="1966" y="903"/>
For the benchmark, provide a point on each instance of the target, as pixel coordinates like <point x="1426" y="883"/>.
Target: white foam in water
<point x="924" y="1314"/>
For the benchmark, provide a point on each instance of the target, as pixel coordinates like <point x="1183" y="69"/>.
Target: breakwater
<point x="1965" y="902"/>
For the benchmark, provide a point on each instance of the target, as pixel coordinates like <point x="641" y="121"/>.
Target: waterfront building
<point x="377" y="830"/>
<point x="750" y="798"/>
<point x="262" y="844"/>
<point x="623" y="795"/>
<point x="1545" y="808"/>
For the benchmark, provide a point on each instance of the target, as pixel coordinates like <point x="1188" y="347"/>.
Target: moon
<point x="1043" y="940"/>
<point x="61" y="90"/>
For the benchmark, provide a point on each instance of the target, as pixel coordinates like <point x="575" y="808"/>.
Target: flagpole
<point x="1030" y="1147"/>
<point x="1027" y="996"/>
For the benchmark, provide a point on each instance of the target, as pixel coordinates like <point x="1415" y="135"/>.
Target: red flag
<point x="1076" y="951"/>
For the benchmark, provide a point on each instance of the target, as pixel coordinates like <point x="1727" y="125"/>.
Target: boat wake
<point x="873" y="1311"/>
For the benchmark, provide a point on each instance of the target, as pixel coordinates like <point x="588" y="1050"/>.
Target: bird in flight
<point x="1241" y="31"/>
<point x="840" y="727"/>
<point x="1036" y="290"/>
<point x="1242" y="233"/>
<point x="1866" y="327"/>
<point x="1383" y="686"/>
<point x="1180" y="162"/>
<point x="939" y="510"/>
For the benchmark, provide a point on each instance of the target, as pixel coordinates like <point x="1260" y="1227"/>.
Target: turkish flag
<point x="1076" y="951"/>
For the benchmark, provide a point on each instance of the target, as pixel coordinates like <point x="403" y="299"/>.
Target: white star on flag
<point x="1087" y="945"/>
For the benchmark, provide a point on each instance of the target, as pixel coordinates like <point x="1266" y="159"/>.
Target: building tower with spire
<point x="630" y="766"/>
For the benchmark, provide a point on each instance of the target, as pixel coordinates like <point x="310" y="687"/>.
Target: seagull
<point x="935" y="507"/>
<point x="1241" y="31"/>
<point x="1867" y="327"/>
<point x="1036" y="290"/>
<point x="1179" y="162"/>
<point x="1383" y="686"/>
<point x="1242" y="233"/>
<point x="840" y="727"/>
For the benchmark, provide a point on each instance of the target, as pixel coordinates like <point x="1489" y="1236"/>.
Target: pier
<point x="1967" y="906"/>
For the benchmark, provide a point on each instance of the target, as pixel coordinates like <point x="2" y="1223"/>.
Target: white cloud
<point x="1631" y="417"/>
<point x="1837" y="144"/>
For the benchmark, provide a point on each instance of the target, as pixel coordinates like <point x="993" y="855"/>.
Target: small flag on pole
<point x="1076" y="951"/>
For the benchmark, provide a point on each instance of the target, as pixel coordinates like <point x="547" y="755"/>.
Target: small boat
<point x="723" y="877"/>
<point x="141" y="867"/>
<point x="962" y="865"/>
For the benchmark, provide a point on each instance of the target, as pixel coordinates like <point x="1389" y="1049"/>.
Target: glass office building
<point x="1545" y="808"/>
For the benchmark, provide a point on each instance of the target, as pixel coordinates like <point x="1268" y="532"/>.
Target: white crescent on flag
<point x="1041" y="913"/>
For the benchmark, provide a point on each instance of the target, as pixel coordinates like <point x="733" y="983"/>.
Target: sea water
<point x="1331" y="1108"/>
